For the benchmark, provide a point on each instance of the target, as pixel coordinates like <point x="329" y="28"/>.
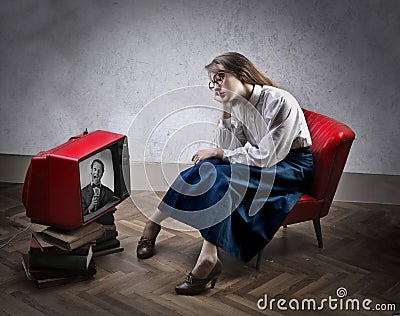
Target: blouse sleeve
<point x="229" y="134"/>
<point x="281" y="130"/>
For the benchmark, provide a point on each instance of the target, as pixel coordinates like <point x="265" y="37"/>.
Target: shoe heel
<point x="213" y="283"/>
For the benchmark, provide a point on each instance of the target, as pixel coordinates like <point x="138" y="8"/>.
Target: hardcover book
<point x="108" y="235"/>
<point x="44" y="273"/>
<point x="111" y="227"/>
<point x="107" y="251"/>
<point x="41" y="284"/>
<point x="47" y="277"/>
<point x="39" y="247"/>
<point x="112" y="243"/>
<point x="70" y="240"/>
<point x="61" y="261"/>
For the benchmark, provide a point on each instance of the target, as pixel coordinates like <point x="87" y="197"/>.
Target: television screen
<point x="77" y="182"/>
<point x="97" y="184"/>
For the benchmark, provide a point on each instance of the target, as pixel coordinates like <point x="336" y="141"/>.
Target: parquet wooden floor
<point x="361" y="254"/>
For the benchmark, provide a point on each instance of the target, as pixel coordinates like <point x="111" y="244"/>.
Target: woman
<point x="259" y="168"/>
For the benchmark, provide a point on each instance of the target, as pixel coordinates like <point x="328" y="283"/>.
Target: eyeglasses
<point x="217" y="78"/>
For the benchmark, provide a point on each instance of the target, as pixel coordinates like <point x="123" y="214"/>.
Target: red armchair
<point x="331" y="142"/>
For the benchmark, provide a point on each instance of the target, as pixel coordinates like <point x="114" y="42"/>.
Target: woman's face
<point x="226" y="86"/>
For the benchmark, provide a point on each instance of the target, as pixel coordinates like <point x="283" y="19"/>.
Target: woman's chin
<point x="218" y="99"/>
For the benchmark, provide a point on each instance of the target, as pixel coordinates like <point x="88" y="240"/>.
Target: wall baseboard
<point x="353" y="187"/>
<point x="13" y="167"/>
<point x="368" y="188"/>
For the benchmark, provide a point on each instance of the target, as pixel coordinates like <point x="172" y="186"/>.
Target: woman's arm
<point x="207" y="153"/>
<point x="274" y="146"/>
<point x="229" y="135"/>
<point x="229" y="132"/>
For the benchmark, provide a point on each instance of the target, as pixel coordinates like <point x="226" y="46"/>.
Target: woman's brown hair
<point x="239" y="65"/>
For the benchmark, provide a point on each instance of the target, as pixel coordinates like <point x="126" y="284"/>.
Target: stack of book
<point x="58" y="257"/>
<point x="108" y="243"/>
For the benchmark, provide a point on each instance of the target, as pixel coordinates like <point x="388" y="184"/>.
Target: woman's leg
<point x="146" y="245"/>
<point x="206" y="261"/>
<point x="206" y="270"/>
<point x="153" y="223"/>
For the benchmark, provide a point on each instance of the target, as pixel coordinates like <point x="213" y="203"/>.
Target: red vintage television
<point x="58" y="185"/>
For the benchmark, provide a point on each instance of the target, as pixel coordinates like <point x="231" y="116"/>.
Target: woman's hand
<point x="226" y="110"/>
<point x="223" y="97"/>
<point x="207" y="153"/>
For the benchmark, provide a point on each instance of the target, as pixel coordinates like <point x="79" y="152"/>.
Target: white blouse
<point x="262" y="131"/>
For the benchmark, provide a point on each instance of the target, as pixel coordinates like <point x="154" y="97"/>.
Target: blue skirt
<point x="237" y="207"/>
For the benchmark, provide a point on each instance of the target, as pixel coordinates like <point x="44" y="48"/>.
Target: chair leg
<point x="259" y="259"/>
<point x="317" y="227"/>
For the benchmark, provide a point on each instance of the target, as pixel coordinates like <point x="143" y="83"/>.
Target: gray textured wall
<point x="70" y="65"/>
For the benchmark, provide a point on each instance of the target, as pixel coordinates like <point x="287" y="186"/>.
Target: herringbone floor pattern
<point x="361" y="254"/>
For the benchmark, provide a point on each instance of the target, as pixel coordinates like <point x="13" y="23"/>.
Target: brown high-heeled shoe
<point x="146" y="246"/>
<point x="193" y="285"/>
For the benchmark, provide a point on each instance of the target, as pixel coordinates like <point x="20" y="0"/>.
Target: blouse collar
<point x="255" y="96"/>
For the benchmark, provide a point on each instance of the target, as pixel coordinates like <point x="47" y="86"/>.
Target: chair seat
<point x="306" y="208"/>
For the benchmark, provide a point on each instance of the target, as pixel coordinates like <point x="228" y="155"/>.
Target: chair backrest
<point x="331" y="143"/>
